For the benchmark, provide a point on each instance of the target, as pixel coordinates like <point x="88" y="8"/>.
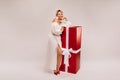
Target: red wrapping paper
<point x="75" y="33"/>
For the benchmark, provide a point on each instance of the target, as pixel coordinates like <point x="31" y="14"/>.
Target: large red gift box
<point x="74" y="42"/>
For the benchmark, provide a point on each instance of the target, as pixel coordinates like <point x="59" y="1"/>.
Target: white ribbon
<point x="66" y="54"/>
<point x="66" y="51"/>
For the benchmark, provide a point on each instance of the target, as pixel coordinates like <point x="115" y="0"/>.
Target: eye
<point x="59" y="14"/>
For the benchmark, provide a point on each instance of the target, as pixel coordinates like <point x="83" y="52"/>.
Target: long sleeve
<point x="56" y="29"/>
<point x="66" y="23"/>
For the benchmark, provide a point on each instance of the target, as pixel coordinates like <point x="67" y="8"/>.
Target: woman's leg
<point x="59" y="58"/>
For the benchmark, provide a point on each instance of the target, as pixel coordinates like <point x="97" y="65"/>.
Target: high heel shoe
<point x="56" y="72"/>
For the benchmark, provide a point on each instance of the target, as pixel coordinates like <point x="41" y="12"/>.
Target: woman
<point x="57" y="28"/>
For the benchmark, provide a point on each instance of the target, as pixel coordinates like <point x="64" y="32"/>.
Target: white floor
<point x="33" y="70"/>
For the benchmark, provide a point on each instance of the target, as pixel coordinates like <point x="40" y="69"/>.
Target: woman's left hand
<point x="64" y="18"/>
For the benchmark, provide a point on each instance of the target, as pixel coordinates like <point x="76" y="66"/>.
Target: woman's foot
<point x="56" y="72"/>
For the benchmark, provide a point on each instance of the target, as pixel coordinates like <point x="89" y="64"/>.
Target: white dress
<point x="55" y="39"/>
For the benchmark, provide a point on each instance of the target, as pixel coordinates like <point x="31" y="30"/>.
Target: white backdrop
<point x="24" y="30"/>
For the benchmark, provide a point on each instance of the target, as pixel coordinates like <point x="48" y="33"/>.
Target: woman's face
<point x="60" y="15"/>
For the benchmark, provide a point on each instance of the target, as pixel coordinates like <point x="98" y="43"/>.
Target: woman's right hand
<point x="55" y="19"/>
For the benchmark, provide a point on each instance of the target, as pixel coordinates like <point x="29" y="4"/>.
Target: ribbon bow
<point x="67" y="55"/>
